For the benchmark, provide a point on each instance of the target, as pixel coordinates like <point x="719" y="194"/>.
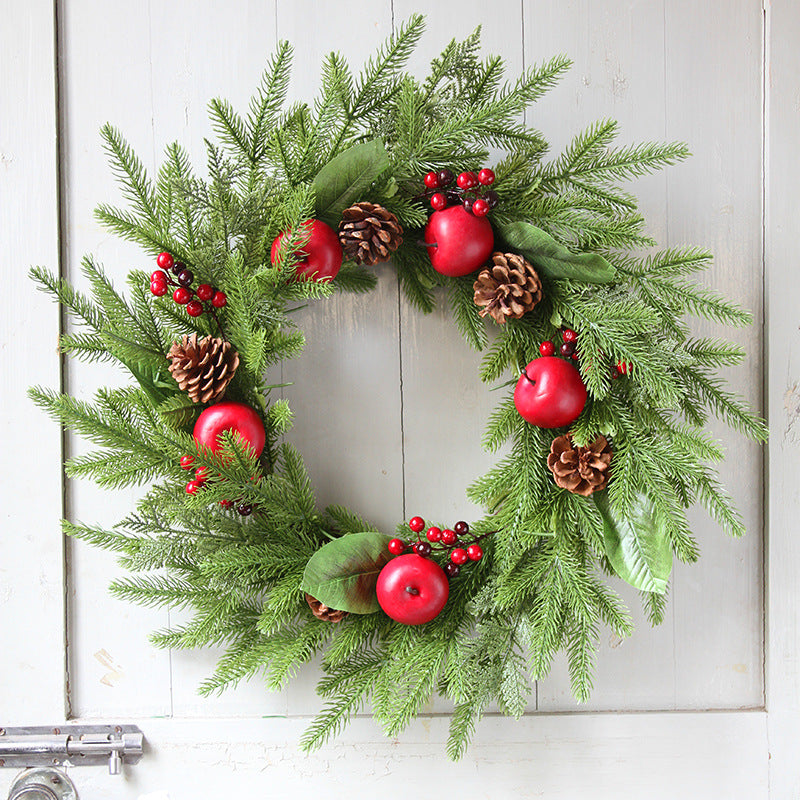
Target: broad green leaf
<point x="343" y="180"/>
<point x="553" y="259"/>
<point x="637" y="549"/>
<point x="343" y="573"/>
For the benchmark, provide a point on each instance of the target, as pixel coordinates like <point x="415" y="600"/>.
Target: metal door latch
<point x="71" y="746"/>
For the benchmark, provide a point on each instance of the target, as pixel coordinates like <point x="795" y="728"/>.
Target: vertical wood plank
<point x="31" y="544"/>
<point x="715" y="104"/>
<point x="783" y="347"/>
<point x="108" y="75"/>
<point x="631" y="65"/>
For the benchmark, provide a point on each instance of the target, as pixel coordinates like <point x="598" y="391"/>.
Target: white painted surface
<point x="31" y="552"/>
<point x="665" y="69"/>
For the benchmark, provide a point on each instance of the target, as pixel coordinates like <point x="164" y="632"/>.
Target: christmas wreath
<point x="601" y="429"/>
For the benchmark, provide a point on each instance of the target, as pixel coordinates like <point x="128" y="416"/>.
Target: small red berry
<point x="165" y="260"/>
<point x="459" y="556"/>
<point x="182" y="295"/>
<point x="624" y="367"/>
<point x="547" y="348"/>
<point x="422" y="549"/>
<point x="185" y="277"/>
<point x="219" y="300"/>
<point x="432" y="180"/>
<point x="159" y="288"/>
<point x="475" y="552"/>
<point x="204" y="292"/>
<point x="178" y="267"/>
<point x="201" y="475"/>
<point x="187" y="462"/>
<point x="194" y="309"/>
<point x="159" y="276"/>
<point x="567" y="349"/>
<point x="480" y="208"/>
<point x="461" y="528"/>
<point x="449" y="537"/>
<point x="438" y="201"/>
<point x="575" y="356"/>
<point x="445" y="177"/>
<point x="451" y="569"/>
<point x="569" y="335"/>
<point x="416" y="524"/>
<point x="434" y="534"/>
<point x="486" y="176"/>
<point x="464" y="180"/>
<point x="226" y="503"/>
<point x="397" y="546"/>
<point x="193" y="487"/>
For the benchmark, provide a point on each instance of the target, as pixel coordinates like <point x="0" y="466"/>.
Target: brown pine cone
<point x="508" y="288"/>
<point x="321" y="611"/>
<point x="580" y="470"/>
<point x="203" y="368"/>
<point x="369" y="233"/>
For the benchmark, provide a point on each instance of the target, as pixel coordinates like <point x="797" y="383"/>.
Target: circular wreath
<point x="601" y="427"/>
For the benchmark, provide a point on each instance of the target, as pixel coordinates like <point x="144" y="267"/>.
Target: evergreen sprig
<point x="541" y="587"/>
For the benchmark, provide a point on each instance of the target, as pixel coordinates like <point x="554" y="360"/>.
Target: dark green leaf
<point x="343" y="180"/>
<point x="553" y="259"/>
<point x="637" y="549"/>
<point x="343" y="573"/>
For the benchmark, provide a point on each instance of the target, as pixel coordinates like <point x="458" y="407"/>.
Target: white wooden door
<point x="707" y="705"/>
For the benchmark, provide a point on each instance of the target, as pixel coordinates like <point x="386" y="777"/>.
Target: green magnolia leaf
<point x="343" y="180"/>
<point x="637" y="549"/>
<point x="343" y="573"/>
<point x="553" y="259"/>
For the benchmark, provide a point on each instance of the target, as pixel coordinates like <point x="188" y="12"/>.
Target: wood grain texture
<point x="31" y="545"/>
<point x="783" y="302"/>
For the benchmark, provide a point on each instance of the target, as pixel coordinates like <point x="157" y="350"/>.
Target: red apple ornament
<point x="412" y="590"/>
<point x="230" y="416"/>
<point x="458" y="242"/>
<point x="550" y="393"/>
<point x="322" y="252"/>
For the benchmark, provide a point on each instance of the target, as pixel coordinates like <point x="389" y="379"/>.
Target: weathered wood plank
<point x="783" y="348"/>
<point x="31" y="545"/>
<point x="558" y="757"/>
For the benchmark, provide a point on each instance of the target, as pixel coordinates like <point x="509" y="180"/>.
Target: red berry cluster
<point x="469" y="190"/>
<point x="567" y="347"/>
<point x="160" y="281"/>
<point x="197" y="483"/>
<point x="447" y="540"/>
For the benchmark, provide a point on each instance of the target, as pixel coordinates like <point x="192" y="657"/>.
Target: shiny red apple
<point x="458" y="242"/>
<point x="322" y="253"/>
<point x="550" y="393"/>
<point x="230" y="416"/>
<point x="412" y="590"/>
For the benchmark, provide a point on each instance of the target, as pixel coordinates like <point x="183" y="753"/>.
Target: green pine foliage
<point x="541" y="587"/>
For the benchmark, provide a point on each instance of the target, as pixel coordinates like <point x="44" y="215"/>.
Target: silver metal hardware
<point x="71" y="746"/>
<point x="46" y="783"/>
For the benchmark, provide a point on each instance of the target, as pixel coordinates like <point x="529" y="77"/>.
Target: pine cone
<point x="321" y="611"/>
<point x="369" y="233"/>
<point x="509" y="288"/>
<point x="580" y="470"/>
<point x="203" y="368"/>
